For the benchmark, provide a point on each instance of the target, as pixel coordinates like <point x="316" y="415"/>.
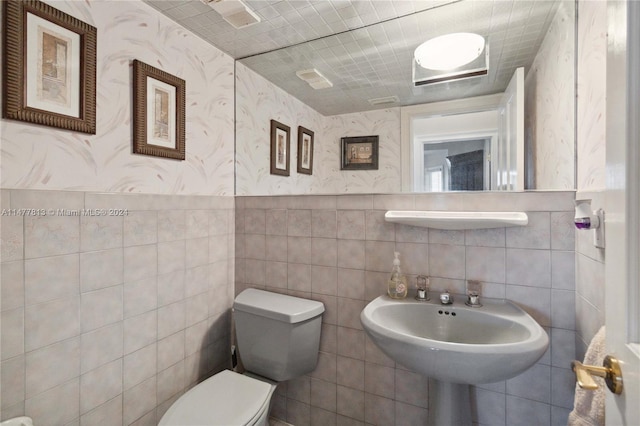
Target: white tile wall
<point x="107" y="319"/>
<point x="589" y="282"/>
<point x="347" y="265"/>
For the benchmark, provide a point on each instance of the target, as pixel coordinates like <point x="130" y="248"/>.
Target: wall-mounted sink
<point x="456" y="343"/>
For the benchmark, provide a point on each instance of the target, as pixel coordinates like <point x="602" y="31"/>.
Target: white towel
<point x="588" y="405"/>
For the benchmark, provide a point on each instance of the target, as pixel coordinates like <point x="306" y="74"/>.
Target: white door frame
<point x="622" y="208"/>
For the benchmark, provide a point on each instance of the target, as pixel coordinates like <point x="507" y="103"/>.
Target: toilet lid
<point x="225" y="399"/>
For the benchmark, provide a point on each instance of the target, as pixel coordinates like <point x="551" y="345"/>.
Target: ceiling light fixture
<point x="449" y="51"/>
<point x="450" y="57"/>
<point x="235" y="12"/>
<point x="314" y="78"/>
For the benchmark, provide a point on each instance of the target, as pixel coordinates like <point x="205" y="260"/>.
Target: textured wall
<point x="38" y="157"/>
<point x="550" y="105"/>
<point x="259" y="101"/>
<point x="338" y="250"/>
<point x="108" y="319"/>
<point x="591" y="129"/>
<point x="591" y="109"/>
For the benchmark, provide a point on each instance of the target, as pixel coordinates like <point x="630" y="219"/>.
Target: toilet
<point x="278" y="338"/>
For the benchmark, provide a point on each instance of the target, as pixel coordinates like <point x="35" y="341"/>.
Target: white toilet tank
<point x="278" y="335"/>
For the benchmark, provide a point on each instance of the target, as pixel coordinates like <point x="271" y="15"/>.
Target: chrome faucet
<point x="422" y="292"/>
<point x="473" y="300"/>
<point x="473" y="294"/>
<point x="446" y="298"/>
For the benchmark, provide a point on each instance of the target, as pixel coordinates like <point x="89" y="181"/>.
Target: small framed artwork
<point x="280" y="143"/>
<point x="159" y="112"/>
<point x="49" y="70"/>
<point x="305" y="151"/>
<point x="359" y="153"/>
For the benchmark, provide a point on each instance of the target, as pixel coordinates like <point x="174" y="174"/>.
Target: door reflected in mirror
<point x="472" y="144"/>
<point x="459" y="165"/>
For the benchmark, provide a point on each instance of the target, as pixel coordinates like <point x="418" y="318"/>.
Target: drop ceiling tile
<point x="403" y="7"/>
<point x="165" y="4"/>
<point x="354" y="22"/>
<point x="187" y="10"/>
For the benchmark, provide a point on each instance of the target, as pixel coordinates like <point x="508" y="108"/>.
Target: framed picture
<point x="159" y="112"/>
<point x="359" y="153"/>
<point x="49" y="72"/>
<point x="305" y="151"/>
<point x="280" y="143"/>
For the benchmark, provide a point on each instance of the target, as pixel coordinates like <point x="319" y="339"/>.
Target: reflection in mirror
<point x="498" y="120"/>
<point x="460" y="165"/>
<point x="442" y="144"/>
<point x="372" y="93"/>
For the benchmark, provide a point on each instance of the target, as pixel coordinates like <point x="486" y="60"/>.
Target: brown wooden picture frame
<point x="305" y="151"/>
<point x="359" y="153"/>
<point x="49" y="72"/>
<point x="158" y="117"/>
<point x="280" y="148"/>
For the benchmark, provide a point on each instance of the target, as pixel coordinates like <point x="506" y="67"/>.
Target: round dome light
<point x="449" y="51"/>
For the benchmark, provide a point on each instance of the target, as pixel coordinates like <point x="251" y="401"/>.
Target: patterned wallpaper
<point x="549" y="105"/>
<point x="38" y="157"/>
<point x="592" y="79"/>
<point x="259" y="101"/>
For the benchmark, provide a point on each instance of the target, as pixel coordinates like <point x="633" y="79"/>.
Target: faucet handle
<point x="473" y="294"/>
<point x="422" y="285"/>
<point x="446" y="298"/>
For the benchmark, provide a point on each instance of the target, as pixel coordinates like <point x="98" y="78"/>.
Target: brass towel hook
<point x="610" y="371"/>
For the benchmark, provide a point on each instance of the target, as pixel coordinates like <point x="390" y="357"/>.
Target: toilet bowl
<point x="225" y="399"/>
<point x="278" y="338"/>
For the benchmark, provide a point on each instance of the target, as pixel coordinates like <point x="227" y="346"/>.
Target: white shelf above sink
<point x="457" y="220"/>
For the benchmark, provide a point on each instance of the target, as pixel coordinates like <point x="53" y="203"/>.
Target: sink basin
<point x="456" y="343"/>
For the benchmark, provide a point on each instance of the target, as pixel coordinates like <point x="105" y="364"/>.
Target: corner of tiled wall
<point x="112" y="317"/>
<point x="590" y="281"/>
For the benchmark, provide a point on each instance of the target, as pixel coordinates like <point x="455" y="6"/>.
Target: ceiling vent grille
<point x="388" y="100"/>
<point x="314" y="78"/>
<point x="235" y="12"/>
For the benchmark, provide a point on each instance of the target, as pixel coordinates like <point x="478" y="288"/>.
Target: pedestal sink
<point x="455" y="345"/>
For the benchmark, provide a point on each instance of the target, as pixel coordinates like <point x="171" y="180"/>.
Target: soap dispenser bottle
<point x="398" y="282"/>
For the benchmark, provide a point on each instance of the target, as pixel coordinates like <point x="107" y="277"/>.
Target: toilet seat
<point x="225" y="399"/>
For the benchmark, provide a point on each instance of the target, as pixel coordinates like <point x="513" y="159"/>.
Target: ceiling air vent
<point x="388" y="100"/>
<point x="314" y="78"/>
<point x="235" y="12"/>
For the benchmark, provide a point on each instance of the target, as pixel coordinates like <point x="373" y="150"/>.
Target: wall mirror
<point x="371" y="91"/>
